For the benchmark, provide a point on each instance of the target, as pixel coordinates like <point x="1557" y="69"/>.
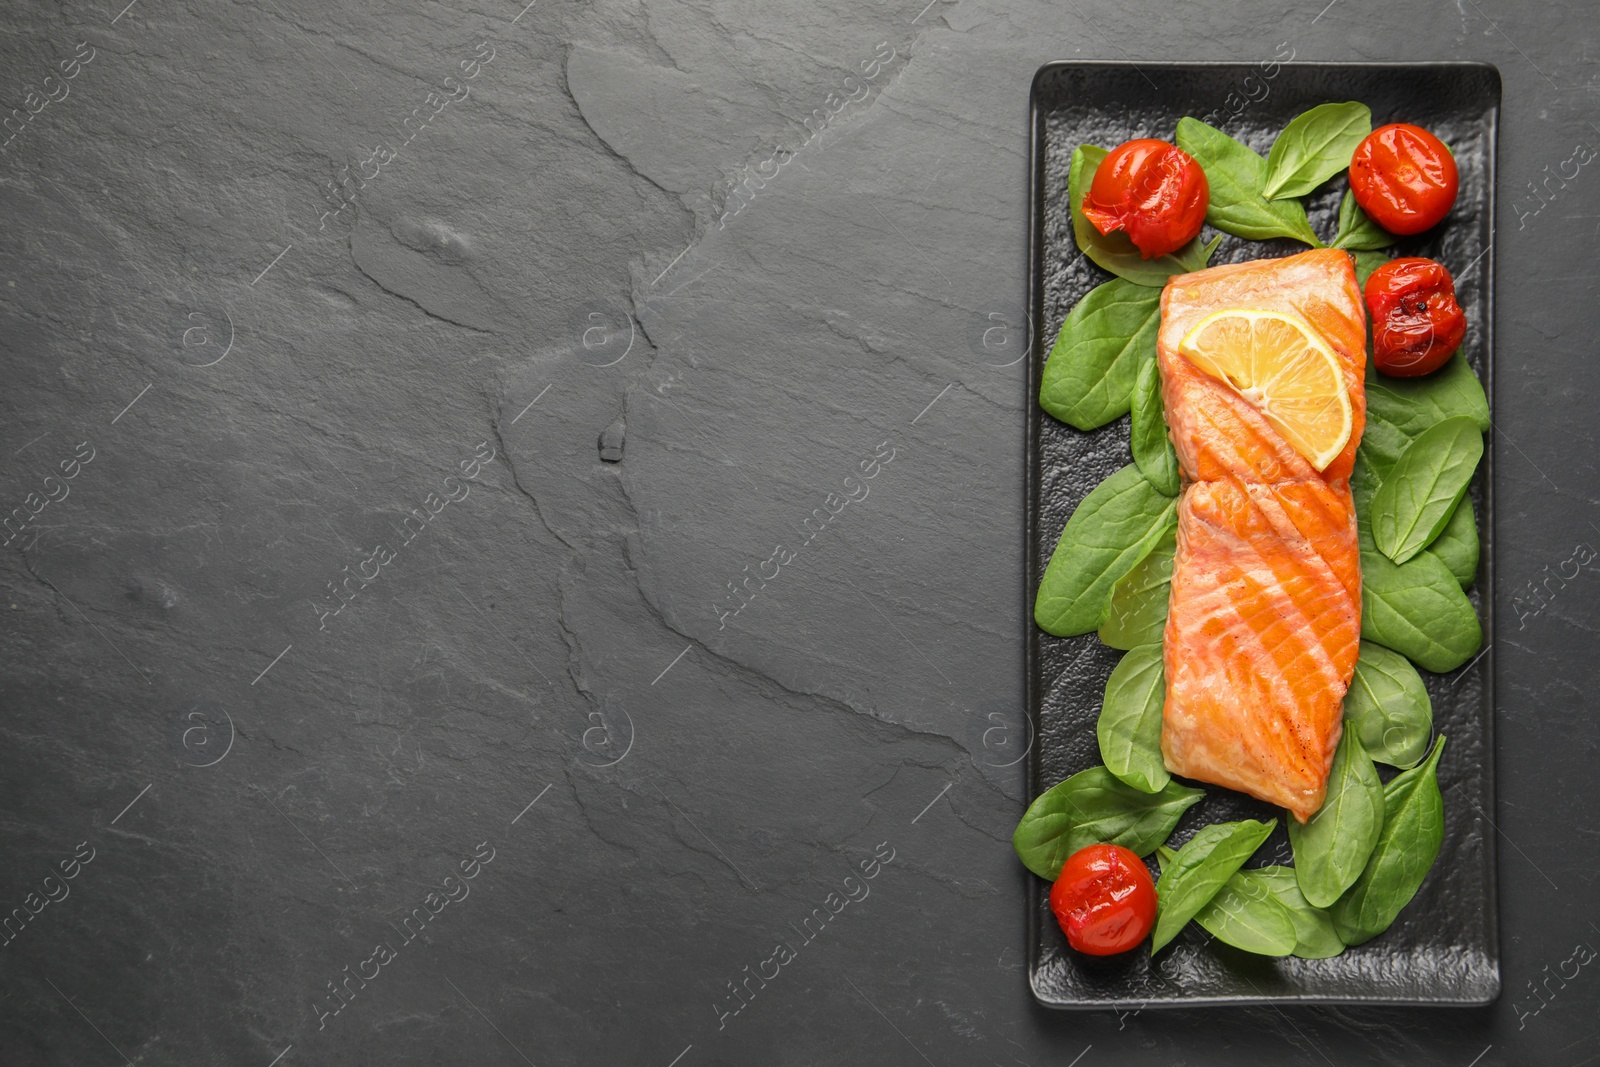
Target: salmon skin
<point x="1265" y="617"/>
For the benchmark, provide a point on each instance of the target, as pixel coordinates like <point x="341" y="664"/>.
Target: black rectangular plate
<point x="1443" y="948"/>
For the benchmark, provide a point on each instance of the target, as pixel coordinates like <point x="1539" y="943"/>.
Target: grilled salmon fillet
<point x="1265" y="620"/>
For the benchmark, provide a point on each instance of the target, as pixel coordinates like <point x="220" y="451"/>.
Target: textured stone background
<point x="543" y="251"/>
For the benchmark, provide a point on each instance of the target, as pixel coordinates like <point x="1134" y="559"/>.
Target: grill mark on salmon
<point x="1265" y="621"/>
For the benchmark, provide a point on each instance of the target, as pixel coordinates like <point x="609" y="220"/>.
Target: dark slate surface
<point x="252" y="792"/>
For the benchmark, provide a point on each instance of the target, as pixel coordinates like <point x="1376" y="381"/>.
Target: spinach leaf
<point x="1357" y="232"/>
<point x="1235" y="175"/>
<point x="1399" y="410"/>
<point x="1115" y="251"/>
<point x="1093" y="807"/>
<point x="1165" y="856"/>
<point x="1402" y="408"/>
<point x="1202" y="866"/>
<point x="1089" y="376"/>
<point x="1416" y="608"/>
<point x="1457" y="544"/>
<point x="1413" y="830"/>
<point x="1422" y="489"/>
<point x="1366" y="263"/>
<point x="1152" y="448"/>
<point x="1112" y="529"/>
<point x="1364" y="482"/>
<point x="1246" y="915"/>
<point x="1316" y="145"/>
<point x="1129" y="729"/>
<point x="1411" y="405"/>
<point x="1388" y="708"/>
<point x="1315" y="937"/>
<point x="1332" y="847"/>
<point x="1137" y="614"/>
<point x="1382" y="442"/>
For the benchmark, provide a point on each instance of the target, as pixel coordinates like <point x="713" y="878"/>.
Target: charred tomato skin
<point x="1104" y="900"/>
<point x="1416" y="322"/>
<point x="1404" y="178"/>
<point x="1152" y="190"/>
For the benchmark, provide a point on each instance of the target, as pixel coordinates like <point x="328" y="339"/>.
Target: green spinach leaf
<point x="1364" y="482"/>
<point x="1413" y="830"/>
<point x="1202" y="866"/>
<point x="1332" y="847"/>
<point x="1411" y="405"/>
<point x="1316" y="145"/>
<point x="1417" y="609"/>
<point x="1112" y="529"/>
<point x="1235" y="175"/>
<point x="1115" y="251"/>
<point x="1366" y="263"/>
<point x="1137" y="614"/>
<point x="1382" y="443"/>
<point x="1129" y="729"/>
<point x="1388" y="708"/>
<point x="1315" y="937"/>
<point x="1422" y="489"/>
<point x="1088" y="379"/>
<point x="1357" y="232"/>
<point x="1246" y="915"/>
<point x="1152" y="447"/>
<point x="1093" y="807"/>
<point x="1457" y="544"/>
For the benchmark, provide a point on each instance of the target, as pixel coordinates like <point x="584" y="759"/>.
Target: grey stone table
<point x="380" y="717"/>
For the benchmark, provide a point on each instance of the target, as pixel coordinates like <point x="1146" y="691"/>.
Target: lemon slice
<point x="1280" y="364"/>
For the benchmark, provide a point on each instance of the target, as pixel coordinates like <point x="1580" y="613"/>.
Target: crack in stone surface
<point x="415" y="303"/>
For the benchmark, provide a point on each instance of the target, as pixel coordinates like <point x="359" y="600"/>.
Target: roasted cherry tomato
<point x="1153" y="190"/>
<point x="1404" y="177"/>
<point x="1104" y="900"/>
<point x="1416" y="322"/>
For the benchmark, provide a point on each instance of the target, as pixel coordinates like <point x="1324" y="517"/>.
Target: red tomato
<point x="1404" y="177"/>
<point x="1104" y="900"/>
<point x="1416" y="322"/>
<point x="1153" y="190"/>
